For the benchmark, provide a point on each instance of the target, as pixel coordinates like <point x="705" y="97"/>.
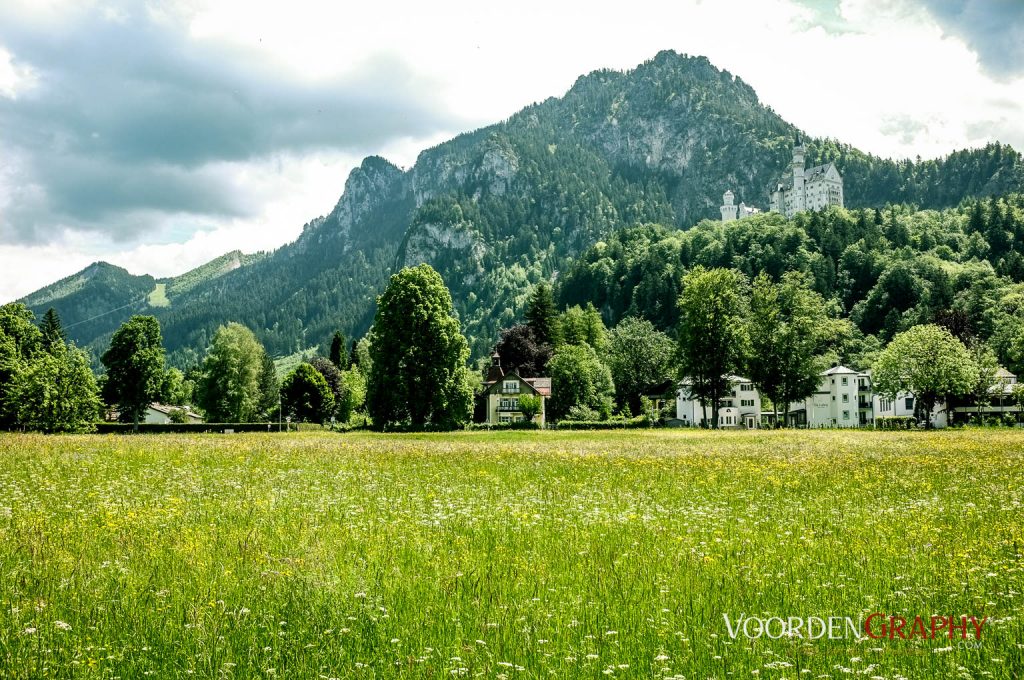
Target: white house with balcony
<point x="740" y="408"/>
<point x="843" y="399"/>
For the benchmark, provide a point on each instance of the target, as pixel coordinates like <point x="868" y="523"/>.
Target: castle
<point x="808" y="189"/>
<point x="731" y="212"/>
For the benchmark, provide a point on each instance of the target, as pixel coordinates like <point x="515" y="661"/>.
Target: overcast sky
<point x="158" y="136"/>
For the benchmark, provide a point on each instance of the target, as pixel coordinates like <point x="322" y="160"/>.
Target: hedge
<point x="895" y="422"/>
<point x="631" y="424"/>
<point x="164" y="428"/>
<point x="520" y="425"/>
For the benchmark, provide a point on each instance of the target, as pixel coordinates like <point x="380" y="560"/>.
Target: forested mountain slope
<point x="503" y="207"/>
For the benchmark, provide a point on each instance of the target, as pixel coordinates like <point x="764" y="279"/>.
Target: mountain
<point x="511" y="204"/>
<point x="96" y="300"/>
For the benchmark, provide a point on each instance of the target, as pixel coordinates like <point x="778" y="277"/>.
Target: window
<point x="510" y="386"/>
<point x="746" y="402"/>
<point x="846" y="381"/>
<point x="846" y="415"/>
<point x="515" y="404"/>
<point x="846" y="398"/>
<point x="505" y="419"/>
<point x="910" y="403"/>
<point x="505" y="403"/>
<point x="746" y="387"/>
<point x="727" y="403"/>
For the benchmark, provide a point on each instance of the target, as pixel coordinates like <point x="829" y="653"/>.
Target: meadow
<point x="512" y="555"/>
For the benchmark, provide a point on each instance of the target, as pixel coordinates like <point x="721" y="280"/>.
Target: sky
<point x="159" y="135"/>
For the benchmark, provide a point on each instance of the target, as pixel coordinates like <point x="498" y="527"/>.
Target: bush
<point x="895" y="422"/>
<point x="582" y="413"/>
<point x="613" y="424"/>
<point x="520" y="425"/>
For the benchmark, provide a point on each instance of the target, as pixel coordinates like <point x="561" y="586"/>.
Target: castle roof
<point x="818" y="171"/>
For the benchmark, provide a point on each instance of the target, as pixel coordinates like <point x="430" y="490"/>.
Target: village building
<point x="499" y="401"/>
<point x="161" y="414"/>
<point x="1002" y="402"/>
<point x="905" y="406"/>
<point x="843" y="399"/>
<point x="739" y="409"/>
<point x="803" y="188"/>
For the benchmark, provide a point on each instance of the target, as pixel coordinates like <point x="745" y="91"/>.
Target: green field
<point x="517" y="555"/>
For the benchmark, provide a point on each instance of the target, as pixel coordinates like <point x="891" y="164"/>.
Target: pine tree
<point x="338" y="354"/>
<point x="52" y="330"/>
<point x="541" y="315"/>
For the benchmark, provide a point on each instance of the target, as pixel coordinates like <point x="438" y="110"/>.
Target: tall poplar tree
<point x="712" y="335"/>
<point x="418" y="374"/>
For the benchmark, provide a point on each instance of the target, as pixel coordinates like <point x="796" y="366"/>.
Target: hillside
<point x="500" y="208"/>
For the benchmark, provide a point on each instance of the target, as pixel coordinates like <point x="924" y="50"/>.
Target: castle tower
<point x="799" y="198"/>
<point x="728" y="209"/>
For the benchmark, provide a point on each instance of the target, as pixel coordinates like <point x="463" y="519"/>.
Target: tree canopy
<point x="928" y="362"/>
<point x="418" y="374"/>
<point x="712" y="335"/>
<point x="135" y="366"/>
<point x="229" y="391"/>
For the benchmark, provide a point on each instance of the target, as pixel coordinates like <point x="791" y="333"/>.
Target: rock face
<point x="375" y="183"/>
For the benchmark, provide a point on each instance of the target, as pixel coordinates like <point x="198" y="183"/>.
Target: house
<point x="843" y="399"/>
<point x="807" y="188"/>
<point x="499" y="401"/>
<point x="1002" y="401"/>
<point x="160" y="414"/>
<point x="740" y="408"/>
<point x="903" y="406"/>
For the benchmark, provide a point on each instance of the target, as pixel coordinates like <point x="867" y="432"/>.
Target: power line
<point x="111" y="311"/>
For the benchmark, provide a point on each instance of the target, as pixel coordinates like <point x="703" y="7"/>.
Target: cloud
<point x="125" y="115"/>
<point x="993" y="29"/>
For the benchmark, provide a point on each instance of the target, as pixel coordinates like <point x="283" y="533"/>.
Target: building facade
<point x="843" y="399"/>
<point x="740" y="409"/>
<point x="499" y="401"/>
<point x="732" y="212"/>
<point x="803" y="188"/>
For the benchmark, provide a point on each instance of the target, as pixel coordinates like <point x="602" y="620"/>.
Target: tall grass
<point x="518" y="555"/>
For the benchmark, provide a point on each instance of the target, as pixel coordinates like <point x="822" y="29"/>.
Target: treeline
<point x="884" y="270"/>
<point x="46" y="383"/>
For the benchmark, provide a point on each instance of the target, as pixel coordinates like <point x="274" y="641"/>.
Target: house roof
<point x="1003" y="373"/>
<point x="166" y="410"/>
<point x="840" y="370"/>
<point x="818" y="171"/>
<point x="541" y="386"/>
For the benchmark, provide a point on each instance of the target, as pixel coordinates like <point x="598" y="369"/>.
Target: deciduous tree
<point x="306" y="395"/>
<point x="229" y="391"/>
<point x="790" y="330"/>
<point x="712" y="336"/>
<point x="579" y="379"/>
<point x="639" y="356"/>
<point x="928" y="362"/>
<point x="57" y="392"/>
<point x="135" y="367"/>
<point x="418" y="374"/>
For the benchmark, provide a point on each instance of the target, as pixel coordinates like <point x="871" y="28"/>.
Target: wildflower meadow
<point x="515" y="555"/>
